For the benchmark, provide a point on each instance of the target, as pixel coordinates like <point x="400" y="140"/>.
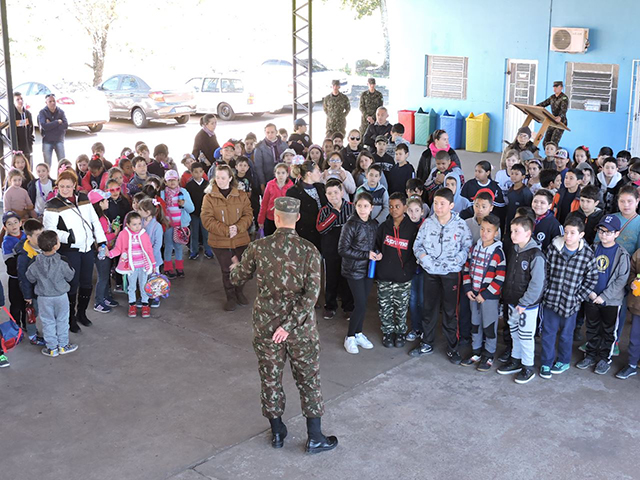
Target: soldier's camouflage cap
<point x="335" y="82"/>
<point x="287" y="205"/>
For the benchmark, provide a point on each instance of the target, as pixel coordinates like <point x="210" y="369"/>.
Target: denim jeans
<point x="54" y="315"/>
<point x="198" y="229"/>
<point x="48" y="148"/>
<point x="555" y="327"/>
<point x="103" y="290"/>
<point x="170" y="246"/>
<point x="137" y="278"/>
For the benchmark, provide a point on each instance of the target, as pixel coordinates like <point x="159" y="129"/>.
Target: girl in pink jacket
<point x="275" y="188"/>
<point x="136" y="261"/>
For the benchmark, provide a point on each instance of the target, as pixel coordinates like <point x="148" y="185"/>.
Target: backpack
<point x="10" y="333"/>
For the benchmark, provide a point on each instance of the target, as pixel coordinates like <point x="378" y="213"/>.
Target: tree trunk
<point x="99" y="51"/>
<point x="384" y="18"/>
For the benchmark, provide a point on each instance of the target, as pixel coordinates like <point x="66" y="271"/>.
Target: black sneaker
<point x="602" y="367"/>
<point x="505" y="356"/>
<point x="180" y="273"/>
<point x="454" y="357"/>
<point x="328" y="314"/>
<point x="400" y="340"/>
<point x="525" y="376"/>
<point x="469" y="361"/>
<point x="626" y="372"/>
<point x="387" y="340"/>
<point x="485" y="364"/>
<point x="512" y="366"/>
<point x="420" y="350"/>
<point x="585" y="363"/>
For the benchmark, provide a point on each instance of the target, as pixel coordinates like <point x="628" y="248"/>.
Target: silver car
<point x="131" y="97"/>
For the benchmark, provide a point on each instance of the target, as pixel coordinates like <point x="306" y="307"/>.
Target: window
<point x="210" y="85"/>
<point x="232" y="85"/>
<point x="39" y="89"/>
<point x="592" y="86"/>
<point x="129" y="83"/>
<point x="111" y="84"/>
<point x="446" y="77"/>
<point x="195" y="83"/>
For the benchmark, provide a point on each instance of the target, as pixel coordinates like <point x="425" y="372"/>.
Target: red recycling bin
<point x="406" y="118"/>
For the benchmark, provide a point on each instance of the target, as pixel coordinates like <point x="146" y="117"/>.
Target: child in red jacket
<point x="275" y="188"/>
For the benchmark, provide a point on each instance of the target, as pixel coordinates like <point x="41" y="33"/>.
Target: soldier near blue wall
<point x="370" y="100"/>
<point x="287" y="269"/>
<point x="559" y="103"/>
<point x="337" y="106"/>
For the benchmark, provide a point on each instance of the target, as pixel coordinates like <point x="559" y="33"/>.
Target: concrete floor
<point x="177" y="396"/>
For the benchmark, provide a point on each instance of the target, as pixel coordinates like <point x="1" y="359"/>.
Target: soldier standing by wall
<point x="370" y="100"/>
<point x="559" y="105"/>
<point x="287" y="268"/>
<point x="336" y="105"/>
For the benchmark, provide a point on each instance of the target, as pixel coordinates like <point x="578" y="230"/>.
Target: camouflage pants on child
<point x="393" y="304"/>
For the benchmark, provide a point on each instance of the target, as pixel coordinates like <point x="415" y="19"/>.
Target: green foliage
<point x="363" y="8"/>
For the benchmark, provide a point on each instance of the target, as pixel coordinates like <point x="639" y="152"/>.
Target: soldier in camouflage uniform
<point x="337" y="106"/>
<point x="287" y="268"/>
<point x="370" y="100"/>
<point x="559" y="105"/>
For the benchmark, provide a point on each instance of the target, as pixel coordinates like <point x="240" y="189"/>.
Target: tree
<point x="96" y="17"/>
<point x="365" y="8"/>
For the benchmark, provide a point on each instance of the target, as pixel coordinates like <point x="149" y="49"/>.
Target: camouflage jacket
<point x="369" y="103"/>
<point x="336" y="106"/>
<point x="287" y="269"/>
<point x="559" y="106"/>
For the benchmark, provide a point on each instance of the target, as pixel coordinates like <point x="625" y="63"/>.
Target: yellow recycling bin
<point x="477" y="133"/>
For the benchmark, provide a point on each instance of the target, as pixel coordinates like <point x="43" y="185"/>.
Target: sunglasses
<point x="354" y="138"/>
<point x="335" y="160"/>
<point x="115" y="189"/>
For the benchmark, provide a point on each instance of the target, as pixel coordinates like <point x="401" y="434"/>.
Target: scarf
<point x="173" y="209"/>
<point x="207" y="131"/>
<point x="435" y="149"/>
<point x="273" y="146"/>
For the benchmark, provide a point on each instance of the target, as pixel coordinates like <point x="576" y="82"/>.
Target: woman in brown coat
<point x="227" y="216"/>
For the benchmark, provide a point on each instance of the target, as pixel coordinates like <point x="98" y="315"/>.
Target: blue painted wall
<point x="491" y="32"/>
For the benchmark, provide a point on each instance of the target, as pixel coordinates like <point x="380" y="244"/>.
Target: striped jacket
<point x="570" y="279"/>
<point x="494" y="271"/>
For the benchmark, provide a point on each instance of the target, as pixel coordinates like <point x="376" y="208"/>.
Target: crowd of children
<point x="548" y="244"/>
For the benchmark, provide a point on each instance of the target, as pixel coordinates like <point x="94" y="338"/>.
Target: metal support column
<point x="302" y="62"/>
<point x="7" y="111"/>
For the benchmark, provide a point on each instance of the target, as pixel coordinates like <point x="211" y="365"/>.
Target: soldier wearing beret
<point x="287" y="269"/>
<point x="370" y="100"/>
<point x="559" y="105"/>
<point x="337" y="106"/>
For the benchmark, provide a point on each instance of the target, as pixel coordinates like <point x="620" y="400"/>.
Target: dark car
<point x="131" y="97"/>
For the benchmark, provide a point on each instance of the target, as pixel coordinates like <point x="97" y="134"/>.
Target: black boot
<point x="242" y="300"/>
<point x="83" y="302"/>
<point x="278" y="432"/>
<point x="73" y="324"/>
<point x="316" y="441"/>
<point x="232" y="302"/>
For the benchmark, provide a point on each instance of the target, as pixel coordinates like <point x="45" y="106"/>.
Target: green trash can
<point x="477" y="133"/>
<point x="425" y="124"/>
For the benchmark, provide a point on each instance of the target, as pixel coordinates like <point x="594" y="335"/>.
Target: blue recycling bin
<point x="453" y="125"/>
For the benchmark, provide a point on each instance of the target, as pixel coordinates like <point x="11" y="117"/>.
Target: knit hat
<point x="97" y="195"/>
<point x="9" y="215"/>
<point x="171" y="175"/>
<point x="526" y="130"/>
<point x="290" y="151"/>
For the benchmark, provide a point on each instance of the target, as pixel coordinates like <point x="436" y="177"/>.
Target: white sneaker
<point x="350" y="345"/>
<point x="363" y="341"/>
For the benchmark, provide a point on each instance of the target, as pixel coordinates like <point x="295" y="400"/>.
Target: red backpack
<point x="10" y="333"/>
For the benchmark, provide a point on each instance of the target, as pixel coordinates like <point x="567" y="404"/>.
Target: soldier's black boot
<point x="73" y="324"/>
<point x="316" y="441"/>
<point x="242" y="300"/>
<point x="278" y="432"/>
<point x="83" y="302"/>
<point x="232" y="302"/>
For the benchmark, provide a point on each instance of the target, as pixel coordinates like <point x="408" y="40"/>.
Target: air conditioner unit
<point x="569" y="40"/>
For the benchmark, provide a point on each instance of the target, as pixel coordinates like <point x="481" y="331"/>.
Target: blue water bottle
<point x="372" y="269"/>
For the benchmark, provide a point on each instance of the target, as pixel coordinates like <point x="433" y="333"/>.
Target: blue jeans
<point x="48" y="148"/>
<point x="170" y="246"/>
<point x="138" y="278"/>
<point x="196" y="230"/>
<point x="416" y="300"/>
<point x="622" y="316"/>
<point x="54" y="315"/>
<point x="634" y="341"/>
<point x="103" y="290"/>
<point x="552" y="325"/>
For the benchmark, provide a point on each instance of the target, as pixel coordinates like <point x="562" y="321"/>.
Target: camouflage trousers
<point x="364" y="124"/>
<point x="552" y="135"/>
<point x="393" y="304"/>
<point x="304" y="360"/>
<point x="336" y="125"/>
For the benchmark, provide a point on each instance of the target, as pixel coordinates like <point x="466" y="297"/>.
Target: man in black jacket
<point x="24" y="126"/>
<point x="53" y="126"/>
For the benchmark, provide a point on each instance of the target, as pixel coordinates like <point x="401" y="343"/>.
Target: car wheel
<point x="225" y="112"/>
<point x="139" y="118"/>
<point x="96" y="127"/>
<point x="182" y="120"/>
<point x="257" y="114"/>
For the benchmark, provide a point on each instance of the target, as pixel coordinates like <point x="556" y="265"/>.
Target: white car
<point x="280" y="73"/>
<point x="231" y="94"/>
<point x="82" y="104"/>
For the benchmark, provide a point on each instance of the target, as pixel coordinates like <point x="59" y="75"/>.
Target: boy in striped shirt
<point x="483" y="276"/>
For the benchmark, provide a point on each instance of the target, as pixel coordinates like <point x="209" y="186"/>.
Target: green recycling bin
<point x="477" y="133"/>
<point x="425" y="124"/>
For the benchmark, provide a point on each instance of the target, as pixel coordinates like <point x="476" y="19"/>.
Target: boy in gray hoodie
<point x="51" y="275"/>
<point x="441" y="249"/>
